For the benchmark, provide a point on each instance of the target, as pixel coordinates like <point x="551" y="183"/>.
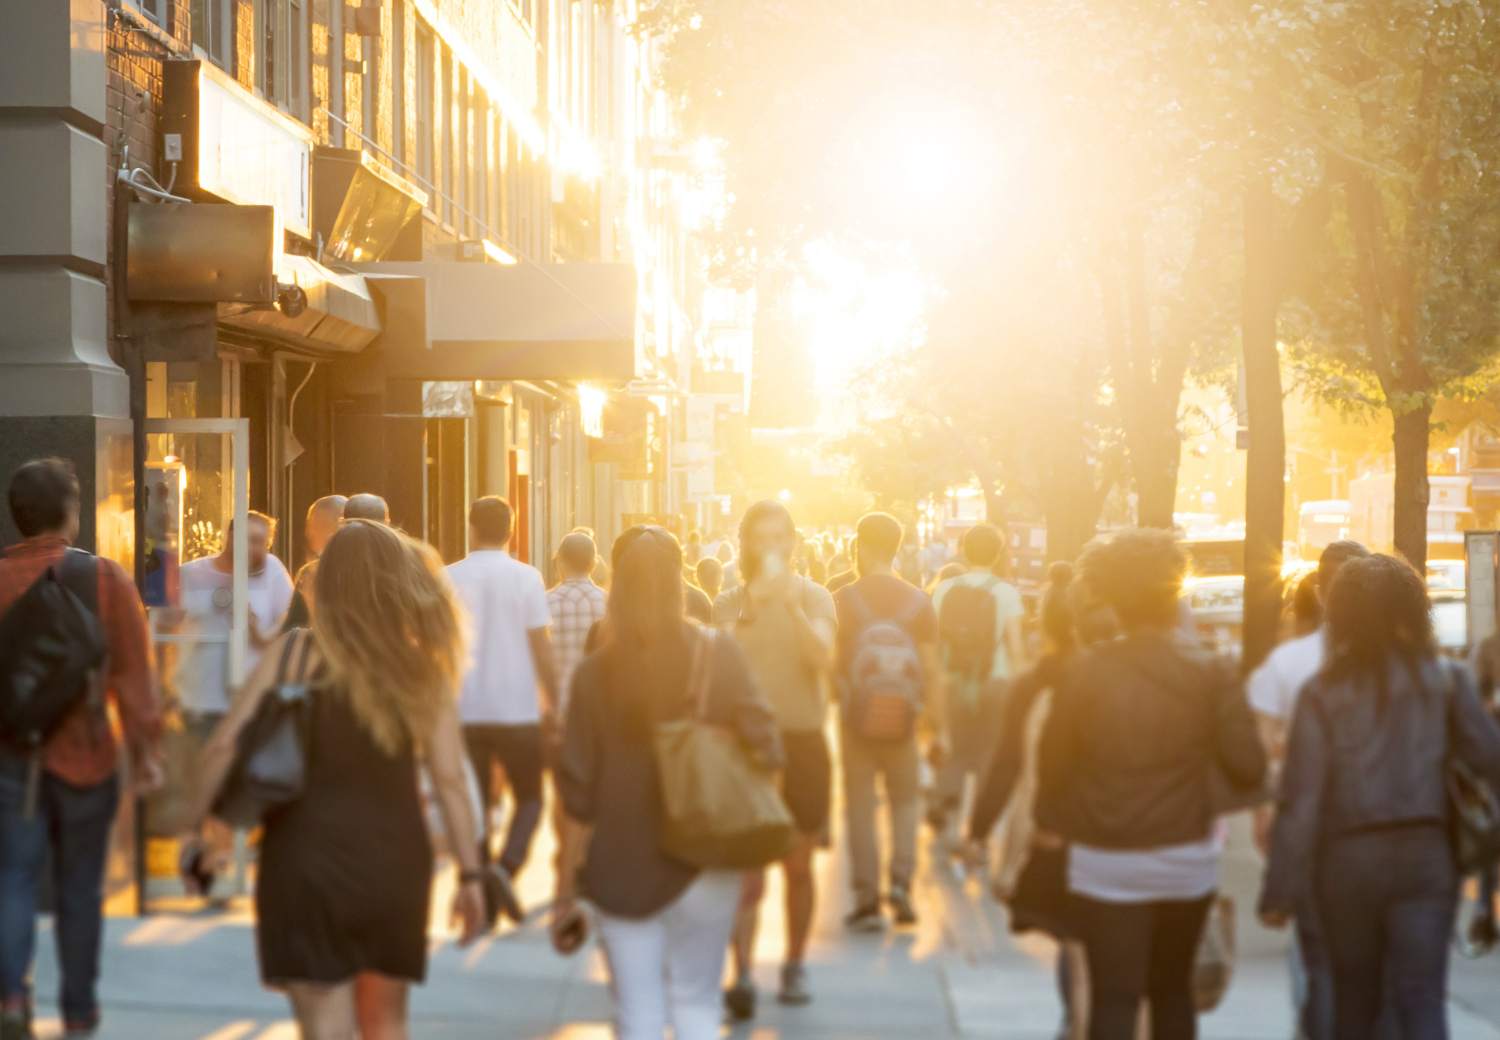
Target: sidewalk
<point x="960" y="973"/>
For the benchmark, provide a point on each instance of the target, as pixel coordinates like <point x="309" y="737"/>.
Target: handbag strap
<point x="299" y="641"/>
<point x="699" y="671"/>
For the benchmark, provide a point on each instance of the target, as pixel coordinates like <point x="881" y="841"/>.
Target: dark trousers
<point x="73" y="823"/>
<point x="1141" y="951"/>
<point x="518" y="750"/>
<point x="1387" y="900"/>
<point x="1315" y="1014"/>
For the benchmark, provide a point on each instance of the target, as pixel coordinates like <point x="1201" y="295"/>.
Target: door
<point x="196" y="588"/>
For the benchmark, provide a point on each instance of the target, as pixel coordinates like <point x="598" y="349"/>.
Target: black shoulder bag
<point x="271" y="753"/>
<point x="1473" y="808"/>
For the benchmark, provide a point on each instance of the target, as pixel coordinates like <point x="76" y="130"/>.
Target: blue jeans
<point x="73" y="824"/>
<point x="1387" y="902"/>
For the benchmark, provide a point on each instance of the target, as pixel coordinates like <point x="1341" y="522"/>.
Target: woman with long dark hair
<point x="1361" y="827"/>
<point x="664" y="924"/>
<point x="343" y="894"/>
<point x="1142" y="727"/>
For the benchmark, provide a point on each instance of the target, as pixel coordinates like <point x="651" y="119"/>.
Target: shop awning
<point x="466" y="320"/>
<point x="340" y="316"/>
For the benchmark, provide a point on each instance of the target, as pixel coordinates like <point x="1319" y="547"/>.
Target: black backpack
<point x="54" y="647"/>
<point x="966" y="627"/>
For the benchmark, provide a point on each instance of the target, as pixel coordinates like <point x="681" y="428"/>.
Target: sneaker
<point x="15" y="1025"/>
<point x="77" y="1029"/>
<point x="739" y="1001"/>
<point x="901" y="908"/>
<point x="197" y="874"/>
<point x="500" y="896"/>
<point x="867" y="918"/>
<point x="794" y="991"/>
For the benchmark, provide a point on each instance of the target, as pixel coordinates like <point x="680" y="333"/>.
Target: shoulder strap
<point x="78" y="572"/>
<point x="863" y="616"/>
<point x="298" y="642"/>
<point x="700" y="669"/>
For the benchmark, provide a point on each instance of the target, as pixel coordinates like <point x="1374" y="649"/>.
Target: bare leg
<point x="801" y="897"/>
<point x="746" y="919"/>
<point x="380" y="1004"/>
<point x="323" y="1012"/>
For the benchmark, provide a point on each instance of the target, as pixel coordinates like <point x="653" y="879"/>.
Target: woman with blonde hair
<point x="342" y="895"/>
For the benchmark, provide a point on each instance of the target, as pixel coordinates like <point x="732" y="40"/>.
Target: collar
<point x="38" y="545"/>
<point x="498" y="552"/>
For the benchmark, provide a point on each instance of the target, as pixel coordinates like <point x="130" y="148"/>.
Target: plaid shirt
<point x="82" y="752"/>
<point x="576" y="605"/>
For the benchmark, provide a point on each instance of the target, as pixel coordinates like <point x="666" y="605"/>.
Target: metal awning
<point x="340" y="317"/>
<point x="466" y="320"/>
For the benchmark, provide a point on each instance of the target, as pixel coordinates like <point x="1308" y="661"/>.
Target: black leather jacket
<point x="1365" y="754"/>
<point x="1145" y="733"/>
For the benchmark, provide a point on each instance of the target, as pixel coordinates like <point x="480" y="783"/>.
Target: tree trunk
<point x="1410" y="437"/>
<point x="1265" y="461"/>
<point x="1154" y="460"/>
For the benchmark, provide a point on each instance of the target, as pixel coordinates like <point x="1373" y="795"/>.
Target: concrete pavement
<point x="960" y="973"/>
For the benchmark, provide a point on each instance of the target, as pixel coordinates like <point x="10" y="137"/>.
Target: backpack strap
<point x="78" y="572"/>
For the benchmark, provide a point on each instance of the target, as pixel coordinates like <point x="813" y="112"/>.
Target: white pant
<point x="669" y="967"/>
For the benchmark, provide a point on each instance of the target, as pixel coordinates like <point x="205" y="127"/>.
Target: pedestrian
<point x="1274" y="688"/>
<point x="367" y="506"/>
<point x="1484" y="929"/>
<point x="725" y="556"/>
<point x="1362" y="828"/>
<point x="201" y="680"/>
<point x="692" y="552"/>
<point x="785" y="624"/>
<point x="576" y="605"/>
<point x="1138" y="728"/>
<point x="510" y="691"/>
<point x="322" y="522"/>
<point x="710" y="574"/>
<point x="979" y="626"/>
<point x="64" y="814"/>
<point x="664" y="926"/>
<point x="889" y="678"/>
<point x="601" y="569"/>
<point x="1068" y="621"/>
<point x="345" y="880"/>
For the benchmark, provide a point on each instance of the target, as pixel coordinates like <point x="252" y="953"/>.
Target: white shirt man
<point x="510" y="688"/>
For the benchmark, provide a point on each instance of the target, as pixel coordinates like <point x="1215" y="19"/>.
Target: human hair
<point x="254" y="514"/>
<point x="1377" y="608"/>
<point x="1307" y="609"/>
<point x="1333" y="557"/>
<point x="1138" y="572"/>
<point x="491" y="518"/>
<point x="645" y="613"/>
<point x="765" y="509"/>
<point x="982" y="545"/>
<point x="709" y="571"/>
<point x="43" y="493"/>
<point x="367" y="506"/>
<point x="390" y="628"/>
<point x="879" y="537"/>
<point x="1057" y="606"/>
<point x="331" y="506"/>
<point x="577" y="553"/>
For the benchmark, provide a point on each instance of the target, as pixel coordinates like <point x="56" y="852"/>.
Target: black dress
<point x="346" y="871"/>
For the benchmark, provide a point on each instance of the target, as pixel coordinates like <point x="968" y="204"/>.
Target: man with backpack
<point x="73" y="643"/>
<point x="890" y="679"/>
<point x="979" y="626"/>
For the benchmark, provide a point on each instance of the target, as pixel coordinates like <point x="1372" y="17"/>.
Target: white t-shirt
<point x="1174" y="872"/>
<point x="202" y="676"/>
<point x="1276" y="684"/>
<point x="1008" y="607"/>
<point x="506" y="600"/>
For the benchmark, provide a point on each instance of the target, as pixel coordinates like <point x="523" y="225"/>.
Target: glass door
<point x="196" y="584"/>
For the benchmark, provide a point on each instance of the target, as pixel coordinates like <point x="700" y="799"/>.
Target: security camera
<point x="291" y="300"/>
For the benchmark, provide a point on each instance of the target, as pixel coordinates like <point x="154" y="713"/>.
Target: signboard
<point x="1481" y="550"/>
<point x="235" y="146"/>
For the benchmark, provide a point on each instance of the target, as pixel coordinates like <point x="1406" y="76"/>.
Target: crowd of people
<point x="421" y="696"/>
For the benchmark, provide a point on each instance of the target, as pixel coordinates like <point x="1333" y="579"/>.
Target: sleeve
<point x="538" y="615"/>
<point x="739" y="702"/>
<point x="1058" y="754"/>
<point x="130" y="682"/>
<point x="282" y="590"/>
<point x="1011" y="604"/>
<point x="999" y="782"/>
<point x="725" y="608"/>
<point x="578" y="758"/>
<point x="1265" y="690"/>
<point x="1299" y="811"/>
<point x="818" y="602"/>
<point x="1239" y="749"/>
<point x="1476" y="735"/>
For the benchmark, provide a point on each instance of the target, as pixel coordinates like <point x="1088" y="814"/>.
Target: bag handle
<point x="700" y="671"/>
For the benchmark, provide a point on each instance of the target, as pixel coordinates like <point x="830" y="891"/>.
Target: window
<point x="398" y="80"/>
<point x="336" y="74"/>
<point x="211" y="21"/>
<point x="156" y="10"/>
<point x="369" y="84"/>
<point x="445" y="113"/>
<point x="479" y="120"/>
<point x="426" y="76"/>
<point x="282" y="72"/>
<point x="463" y="167"/>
